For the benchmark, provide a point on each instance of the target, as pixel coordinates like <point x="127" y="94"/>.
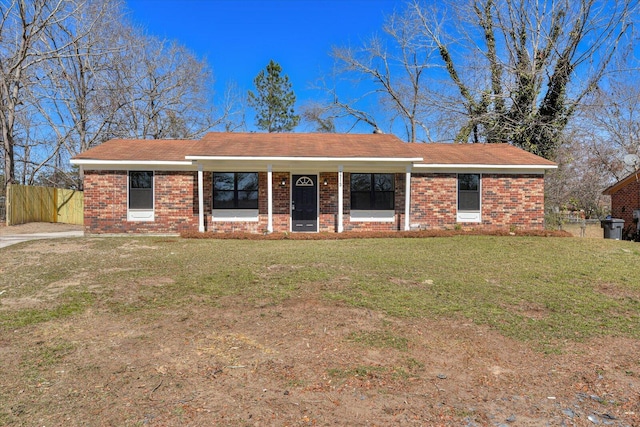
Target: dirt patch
<point x="295" y="365"/>
<point x="616" y="292"/>
<point x="532" y="311"/>
<point x="50" y="246"/>
<point x="38" y="227"/>
<point x="307" y="361"/>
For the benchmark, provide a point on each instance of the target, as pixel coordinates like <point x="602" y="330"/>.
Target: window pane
<point x="222" y="199"/>
<point x="141" y="190"/>
<point x="360" y="182"/>
<point x="140" y="199"/>
<point x="468" y="182"/>
<point x="469" y="192"/>
<point x="248" y="181"/>
<point x="223" y="181"/>
<point x="383" y="200"/>
<point x="372" y="191"/>
<point x="360" y="200"/>
<point x="469" y="201"/>
<point x="247" y="199"/>
<point x="383" y="182"/>
<point x="140" y="179"/>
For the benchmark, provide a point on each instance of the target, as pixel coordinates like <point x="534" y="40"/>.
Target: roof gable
<point x="629" y="179"/>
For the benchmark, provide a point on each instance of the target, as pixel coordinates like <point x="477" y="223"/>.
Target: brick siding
<point x="513" y="201"/>
<point x="105" y="203"/>
<point x="624" y="202"/>
<point x="507" y="201"/>
<point x="433" y="200"/>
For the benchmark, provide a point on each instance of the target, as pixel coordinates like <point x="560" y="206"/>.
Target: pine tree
<point x="274" y="100"/>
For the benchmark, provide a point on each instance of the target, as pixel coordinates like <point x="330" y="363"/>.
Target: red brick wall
<point x="506" y="201"/>
<point x="105" y="201"/>
<point x="328" y="209"/>
<point x="513" y="201"/>
<point x="433" y="200"/>
<point x="624" y="201"/>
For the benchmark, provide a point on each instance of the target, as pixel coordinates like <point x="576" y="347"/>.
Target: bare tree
<point x="522" y="67"/>
<point x="22" y="47"/>
<point x="317" y="116"/>
<point x="601" y="143"/>
<point x="73" y="95"/>
<point x="165" y="91"/>
<point x="612" y="114"/>
<point x="581" y="177"/>
<point x="74" y="73"/>
<point x="397" y="63"/>
<point x="231" y="109"/>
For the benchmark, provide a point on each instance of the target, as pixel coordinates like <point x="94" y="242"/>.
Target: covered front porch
<point x="302" y="195"/>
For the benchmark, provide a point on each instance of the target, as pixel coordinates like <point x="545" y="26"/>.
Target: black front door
<point x="304" y="203"/>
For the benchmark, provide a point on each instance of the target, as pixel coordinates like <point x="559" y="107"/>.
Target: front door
<point x="304" y="203"/>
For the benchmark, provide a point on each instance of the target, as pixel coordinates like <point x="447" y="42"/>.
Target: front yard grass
<point x="540" y="290"/>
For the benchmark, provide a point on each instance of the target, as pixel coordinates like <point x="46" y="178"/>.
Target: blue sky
<point x="239" y="37"/>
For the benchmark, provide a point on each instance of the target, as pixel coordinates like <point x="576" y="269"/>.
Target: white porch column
<point x="340" y="198"/>
<point x="407" y="200"/>
<point x="200" y="200"/>
<point x="270" y="198"/>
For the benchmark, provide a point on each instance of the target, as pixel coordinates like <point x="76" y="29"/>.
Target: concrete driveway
<point x="12" y="239"/>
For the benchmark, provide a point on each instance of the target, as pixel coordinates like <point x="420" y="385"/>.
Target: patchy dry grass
<point x="545" y="290"/>
<point x="186" y="331"/>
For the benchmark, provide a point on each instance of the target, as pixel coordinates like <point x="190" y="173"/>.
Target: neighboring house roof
<point x="631" y="178"/>
<point x="311" y="147"/>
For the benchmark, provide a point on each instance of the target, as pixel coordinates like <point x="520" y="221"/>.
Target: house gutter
<point x="306" y="159"/>
<point x="90" y="162"/>
<point x="481" y="166"/>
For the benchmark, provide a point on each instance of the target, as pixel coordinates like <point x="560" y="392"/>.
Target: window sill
<point x="373" y="216"/>
<point x="234" y="215"/>
<point x="468" y="216"/>
<point x="140" y="215"/>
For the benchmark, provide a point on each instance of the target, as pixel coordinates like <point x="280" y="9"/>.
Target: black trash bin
<point x="612" y="228"/>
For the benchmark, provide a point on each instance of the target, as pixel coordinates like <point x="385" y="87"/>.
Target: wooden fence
<point x="43" y="204"/>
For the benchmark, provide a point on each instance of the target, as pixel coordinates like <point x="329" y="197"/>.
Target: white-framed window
<point x="469" y="200"/>
<point x="372" y="191"/>
<point x="235" y="190"/>
<point x="235" y="196"/>
<point x="140" y="196"/>
<point x="372" y="197"/>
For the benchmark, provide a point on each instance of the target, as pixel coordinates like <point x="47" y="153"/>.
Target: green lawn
<point x="542" y="290"/>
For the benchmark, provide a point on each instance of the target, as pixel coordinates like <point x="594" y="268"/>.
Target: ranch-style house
<point x="302" y="182"/>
